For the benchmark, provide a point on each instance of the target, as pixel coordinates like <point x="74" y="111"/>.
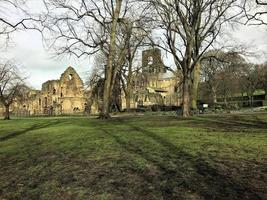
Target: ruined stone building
<point x="154" y="86"/>
<point x="63" y="96"/>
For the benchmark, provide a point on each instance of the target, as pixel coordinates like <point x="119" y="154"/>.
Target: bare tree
<point x="263" y="77"/>
<point x="12" y="86"/>
<point x="251" y="79"/>
<point x="190" y="28"/>
<point x="255" y="12"/>
<point x="23" y="19"/>
<point x="83" y="28"/>
<point x="211" y="66"/>
<point x="135" y="33"/>
<point x="97" y="71"/>
<point x="7" y="25"/>
<point x="221" y="71"/>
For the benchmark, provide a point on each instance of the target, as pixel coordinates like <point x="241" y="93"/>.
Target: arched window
<point x="46" y="102"/>
<point x="70" y="77"/>
<point x="54" y="91"/>
<point x="150" y="60"/>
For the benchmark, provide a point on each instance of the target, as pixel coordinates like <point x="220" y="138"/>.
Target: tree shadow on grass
<point x="181" y="174"/>
<point x="230" y="123"/>
<point x="31" y="128"/>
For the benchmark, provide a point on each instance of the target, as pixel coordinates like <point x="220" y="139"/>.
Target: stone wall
<point x="63" y="96"/>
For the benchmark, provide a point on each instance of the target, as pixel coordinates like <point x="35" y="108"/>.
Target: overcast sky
<point x="37" y="62"/>
<point x="28" y="50"/>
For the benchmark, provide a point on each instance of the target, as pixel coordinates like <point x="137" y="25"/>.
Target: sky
<point x="37" y="62"/>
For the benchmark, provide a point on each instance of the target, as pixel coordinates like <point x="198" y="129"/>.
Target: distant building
<point x="63" y="96"/>
<point x="154" y="86"/>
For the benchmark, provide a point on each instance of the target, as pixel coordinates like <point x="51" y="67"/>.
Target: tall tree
<point x="263" y="78"/>
<point x="82" y="28"/>
<point x="251" y="79"/>
<point x="190" y="28"/>
<point x="221" y="71"/>
<point x="195" y="85"/>
<point x="134" y="36"/>
<point x="21" y="20"/>
<point x="111" y="56"/>
<point x="255" y="12"/>
<point x="12" y="86"/>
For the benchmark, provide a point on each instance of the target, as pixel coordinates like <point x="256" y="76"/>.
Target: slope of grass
<point x="148" y="157"/>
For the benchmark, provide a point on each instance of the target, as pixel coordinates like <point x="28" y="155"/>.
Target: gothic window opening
<point x="54" y="91"/>
<point x="70" y="77"/>
<point x="61" y="94"/>
<point x="150" y="60"/>
<point x="146" y="98"/>
<point x="46" y="102"/>
<point x="76" y="109"/>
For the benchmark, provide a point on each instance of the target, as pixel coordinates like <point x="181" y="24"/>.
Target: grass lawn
<point x="147" y="157"/>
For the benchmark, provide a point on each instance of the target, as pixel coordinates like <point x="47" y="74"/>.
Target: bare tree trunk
<point x="128" y="100"/>
<point x="251" y="100"/>
<point x="214" y="96"/>
<point x="225" y="101"/>
<point x="7" y="113"/>
<point x="109" y="69"/>
<point x="186" y="96"/>
<point x="195" y="86"/>
<point x="106" y="96"/>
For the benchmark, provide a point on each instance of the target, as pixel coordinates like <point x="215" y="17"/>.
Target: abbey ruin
<point x="67" y="95"/>
<point x="62" y="96"/>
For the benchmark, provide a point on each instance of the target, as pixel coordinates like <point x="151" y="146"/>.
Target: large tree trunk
<point x="186" y="96"/>
<point x="225" y="101"/>
<point x="7" y="113"/>
<point x="128" y="100"/>
<point x="251" y="100"/>
<point x="195" y="86"/>
<point x="109" y="69"/>
<point x="214" y="96"/>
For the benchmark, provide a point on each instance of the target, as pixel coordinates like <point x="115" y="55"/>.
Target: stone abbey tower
<point x="154" y="86"/>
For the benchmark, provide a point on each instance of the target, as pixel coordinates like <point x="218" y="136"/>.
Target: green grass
<point x="147" y="157"/>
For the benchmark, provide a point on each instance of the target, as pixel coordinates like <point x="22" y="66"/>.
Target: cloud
<point x="40" y="65"/>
